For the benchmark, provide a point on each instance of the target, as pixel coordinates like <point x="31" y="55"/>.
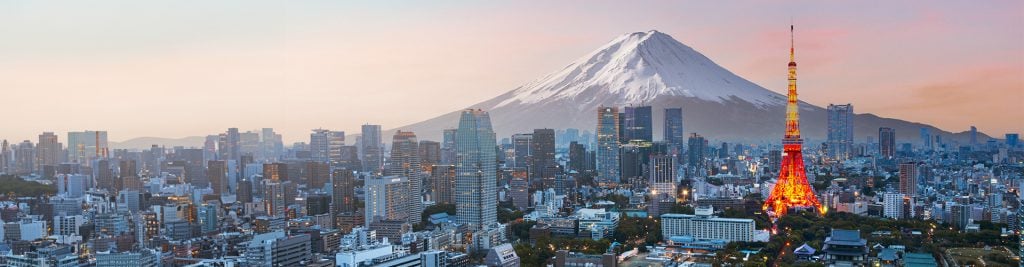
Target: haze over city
<point x="191" y="68"/>
<point x="511" y="134"/>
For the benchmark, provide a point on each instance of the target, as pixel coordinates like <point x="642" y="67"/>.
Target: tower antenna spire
<point x="792" y="58"/>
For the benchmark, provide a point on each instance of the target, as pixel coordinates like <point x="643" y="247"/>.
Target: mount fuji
<point x="651" y="68"/>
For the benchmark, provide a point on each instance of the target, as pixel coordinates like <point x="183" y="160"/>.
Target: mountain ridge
<point x="652" y="68"/>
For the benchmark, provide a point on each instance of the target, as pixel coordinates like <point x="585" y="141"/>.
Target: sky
<point x="190" y="68"/>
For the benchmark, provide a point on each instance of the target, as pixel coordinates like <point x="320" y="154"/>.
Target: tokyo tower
<point x="791" y="190"/>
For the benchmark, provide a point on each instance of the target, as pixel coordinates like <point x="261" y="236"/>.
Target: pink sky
<point x="183" y="68"/>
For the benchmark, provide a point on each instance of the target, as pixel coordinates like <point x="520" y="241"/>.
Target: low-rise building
<point x="702" y="225"/>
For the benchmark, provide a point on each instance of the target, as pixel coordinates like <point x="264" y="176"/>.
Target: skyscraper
<point x="908" y="178"/>
<point x="405" y="162"/>
<point x="607" y="145"/>
<point x="86" y="145"/>
<point x="926" y="139"/>
<point x="319" y="174"/>
<point x="475" y="170"/>
<point x="430" y="154"/>
<point x="886" y="142"/>
<point x="442" y="180"/>
<point x="974" y="136"/>
<point x="48" y="151"/>
<point x="217" y="172"/>
<point x="229" y="146"/>
<point x="343" y="183"/>
<point x="448" y="147"/>
<point x="325" y="145"/>
<point x="674" y="135"/>
<point x="249" y="144"/>
<point x="663" y="175"/>
<point x="275" y="197"/>
<point x="387" y="199"/>
<point x="638" y="125"/>
<point x="577" y="157"/>
<point x="373" y="157"/>
<point x="696" y="149"/>
<point x="276" y="172"/>
<point x="1012" y="140"/>
<point x="521" y="145"/>
<point x="543" y="154"/>
<point x="24" y="157"/>
<point x="317" y="204"/>
<point x="271" y="144"/>
<point x="840" y="131"/>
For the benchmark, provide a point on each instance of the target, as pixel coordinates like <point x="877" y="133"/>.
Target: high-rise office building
<point x="974" y="136"/>
<point x="229" y="145"/>
<point x="886" y="142"/>
<point x="325" y="145"/>
<point x="405" y="162"/>
<point x="129" y="174"/>
<point x="271" y="144"/>
<point x="343" y="183"/>
<point x="578" y="157"/>
<point x="662" y="175"/>
<point x="373" y="156"/>
<point x="24" y="157"/>
<point x="278" y="249"/>
<point x="244" y="191"/>
<point x="275" y="197"/>
<point x="104" y="175"/>
<point x="1012" y="140"/>
<point x="48" y="151"/>
<point x="696" y="149"/>
<point x="909" y="178"/>
<point x="542" y="154"/>
<point x="638" y="125"/>
<point x="476" y="170"/>
<point x="217" y="172"/>
<point x="430" y="154"/>
<point x="674" y="135"/>
<point x="520" y="192"/>
<point x="387" y="198"/>
<point x="521" y="145"/>
<point x="442" y="184"/>
<point x="448" y="147"/>
<point x="5" y="156"/>
<point x="249" y="144"/>
<point x="926" y="139"/>
<point x="209" y="152"/>
<point x="319" y="173"/>
<point x="86" y="145"/>
<point x="350" y="158"/>
<point x="277" y="172"/>
<point x="317" y="204"/>
<point x="840" y="131"/>
<point x="607" y="145"/>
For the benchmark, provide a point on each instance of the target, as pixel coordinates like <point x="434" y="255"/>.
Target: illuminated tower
<point x="791" y="190"/>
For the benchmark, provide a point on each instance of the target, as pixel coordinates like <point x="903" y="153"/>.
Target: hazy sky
<point x="185" y="68"/>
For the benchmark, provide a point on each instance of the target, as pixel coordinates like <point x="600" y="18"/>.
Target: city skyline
<point x="311" y="66"/>
<point x="642" y="152"/>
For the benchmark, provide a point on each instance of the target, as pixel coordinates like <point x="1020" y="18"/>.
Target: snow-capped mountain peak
<point x="638" y="67"/>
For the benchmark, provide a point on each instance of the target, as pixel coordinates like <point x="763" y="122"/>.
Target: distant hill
<point x="652" y="68"/>
<point x="141" y="143"/>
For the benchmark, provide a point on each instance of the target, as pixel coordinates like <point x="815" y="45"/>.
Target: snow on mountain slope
<point x="651" y="68"/>
<point x="639" y="67"/>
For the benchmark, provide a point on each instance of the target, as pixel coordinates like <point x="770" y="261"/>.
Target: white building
<point x="599" y="222"/>
<point x="385" y="199"/>
<point x="703" y="226"/>
<point x="893" y="205"/>
<point x="356" y="257"/>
